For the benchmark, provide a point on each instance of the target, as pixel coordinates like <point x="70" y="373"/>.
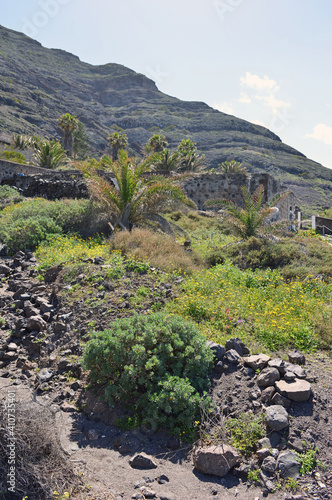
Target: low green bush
<point x="13" y="156"/>
<point x="245" y="430"/>
<point x="294" y="258"/>
<point x="27" y="233"/>
<point x="157" y="365"/>
<point x="29" y="223"/>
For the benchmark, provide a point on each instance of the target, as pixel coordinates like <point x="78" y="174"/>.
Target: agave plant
<point x="133" y="199"/>
<point x="48" y="154"/>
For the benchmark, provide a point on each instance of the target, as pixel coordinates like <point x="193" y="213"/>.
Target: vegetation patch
<point x="160" y="249"/>
<point x="27" y="224"/>
<point x="257" y="306"/>
<point x="245" y="431"/>
<point x="157" y="365"/>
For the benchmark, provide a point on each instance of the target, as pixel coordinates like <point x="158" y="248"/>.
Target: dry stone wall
<point x="203" y="187"/>
<point x="33" y="181"/>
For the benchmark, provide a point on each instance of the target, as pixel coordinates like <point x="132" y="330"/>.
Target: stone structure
<point x="205" y="186"/>
<point x="53" y="184"/>
<point x="50" y="184"/>
<point x="323" y="224"/>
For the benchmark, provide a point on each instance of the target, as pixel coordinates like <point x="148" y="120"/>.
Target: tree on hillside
<point x="117" y="141"/>
<point x="69" y="124"/>
<point x="136" y="199"/>
<point x="156" y="144"/>
<point x="248" y="220"/>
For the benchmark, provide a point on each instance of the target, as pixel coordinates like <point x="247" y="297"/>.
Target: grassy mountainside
<point x="37" y="85"/>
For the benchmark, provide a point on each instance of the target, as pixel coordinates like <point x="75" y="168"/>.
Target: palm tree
<point x="69" y="124"/>
<point x="135" y="199"/>
<point x="249" y="219"/>
<point x="48" y="154"/>
<point x="190" y="159"/>
<point x="156" y="144"/>
<point x="117" y="141"/>
<point x="232" y="167"/>
<point x="165" y="161"/>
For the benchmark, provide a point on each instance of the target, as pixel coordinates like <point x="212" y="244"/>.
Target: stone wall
<point x="53" y="184"/>
<point x="50" y="184"/>
<point x="203" y="187"/>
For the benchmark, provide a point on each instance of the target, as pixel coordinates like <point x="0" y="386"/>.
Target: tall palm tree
<point x="69" y="124"/>
<point x="135" y="199"/>
<point x="117" y="141"/>
<point x="190" y="159"/>
<point x="156" y="144"/>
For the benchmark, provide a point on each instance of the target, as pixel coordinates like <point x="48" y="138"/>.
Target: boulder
<point x="44" y="375"/>
<point x="276" y="417"/>
<point x="216" y="460"/>
<point x="233" y="356"/>
<point x="142" y="461"/>
<point x="268" y="377"/>
<point x="288" y="465"/>
<point x="218" y="350"/>
<point x="296" y="390"/>
<point x="267" y="394"/>
<point x="4" y="269"/>
<point x="296" y="357"/>
<point x="257" y="361"/>
<point x="269" y="464"/>
<point x="278" y="399"/>
<point x="238" y="346"/>
<point x="36" y="323"/>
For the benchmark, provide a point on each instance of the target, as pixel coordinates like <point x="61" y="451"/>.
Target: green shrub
<point x="245" y="431"/>
<point x="38" y="218"/>
<point x="27" y="233"/>
<point x="308" y="460"/>
<point x="7" y="192"/>
<point x="13" y="156"/>
<point x="156" y="364"/>
<point x="292" y="257"/>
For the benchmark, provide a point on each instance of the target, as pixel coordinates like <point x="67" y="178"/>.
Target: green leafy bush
<point x="245" y="431"/>
<point x="28" y="233"/>
<point x="27" y="224"/>
<point x="156" y="364"/>
<point x="7" y="192"/>
<point x="13" y="156"/>
<point x="296" y="257"/>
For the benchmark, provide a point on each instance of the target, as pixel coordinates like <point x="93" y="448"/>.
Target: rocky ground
<point x="43" y="327"/>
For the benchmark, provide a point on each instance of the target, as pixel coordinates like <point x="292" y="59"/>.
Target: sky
<point x="266" y="61"/>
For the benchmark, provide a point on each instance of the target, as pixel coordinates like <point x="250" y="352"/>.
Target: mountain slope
<point x="37" y="85"/>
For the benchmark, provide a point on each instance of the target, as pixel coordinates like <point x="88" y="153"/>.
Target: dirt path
<point x="109" y="472"/>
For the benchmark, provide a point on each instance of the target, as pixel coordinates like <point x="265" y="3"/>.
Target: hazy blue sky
<point x="267" y="61"/>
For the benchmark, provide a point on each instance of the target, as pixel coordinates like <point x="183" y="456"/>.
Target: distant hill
<point x="37" y="85"/>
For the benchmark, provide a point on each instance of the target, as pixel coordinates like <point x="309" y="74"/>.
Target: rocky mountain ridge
<point x="37" y="85"/>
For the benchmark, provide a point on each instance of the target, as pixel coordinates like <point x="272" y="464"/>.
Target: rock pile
<point x="273" y="385"/>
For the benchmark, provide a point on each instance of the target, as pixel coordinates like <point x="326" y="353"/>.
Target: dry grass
<point x="41" y="465"/>
<point x="160" y="250"/>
